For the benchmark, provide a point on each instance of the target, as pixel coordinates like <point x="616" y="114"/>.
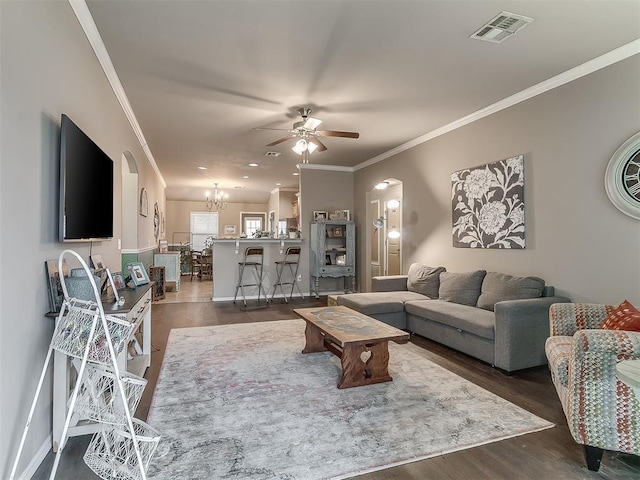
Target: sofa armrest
<point x="521" y="329"/>
<point x="389" y="283"/>
<point x="597" y="403"/>
<point x="568" y="318"/>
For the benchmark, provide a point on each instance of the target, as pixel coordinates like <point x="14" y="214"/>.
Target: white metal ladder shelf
<point x="84" y="332"/>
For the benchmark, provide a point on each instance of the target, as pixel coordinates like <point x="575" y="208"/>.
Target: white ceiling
<point x="202" y="75"/>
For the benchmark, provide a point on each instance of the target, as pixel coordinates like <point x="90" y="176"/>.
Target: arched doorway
<point x="384" y="225"/>
<point x="129" y="209"/>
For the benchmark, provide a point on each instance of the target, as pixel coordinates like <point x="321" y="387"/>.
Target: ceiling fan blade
<point x="311" y="123"/>
<point x="335" y="133"/>
<point x="321" y="146"/>
<point x="283" y="139"/>
<point x="267" y="128"/>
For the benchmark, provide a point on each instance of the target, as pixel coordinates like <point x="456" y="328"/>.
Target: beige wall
<point x="48" y="68"/>
<point x="575" y="238"/>
<point x="178" y="217"/>
<point x="323" y="190"/>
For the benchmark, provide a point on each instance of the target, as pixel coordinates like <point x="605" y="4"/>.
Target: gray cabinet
<point x="332" y="253"/>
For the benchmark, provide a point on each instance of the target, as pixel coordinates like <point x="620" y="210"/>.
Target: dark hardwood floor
<point x="550" y="454"/>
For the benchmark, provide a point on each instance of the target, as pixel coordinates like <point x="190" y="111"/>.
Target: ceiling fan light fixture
<point x="300" y="146"/>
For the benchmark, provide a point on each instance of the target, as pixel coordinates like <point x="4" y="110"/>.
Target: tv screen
<point x="86" y="187"/>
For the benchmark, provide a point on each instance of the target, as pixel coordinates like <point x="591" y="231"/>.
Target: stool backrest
<point x="254" y="251"/>
<point x="293" y="251"/>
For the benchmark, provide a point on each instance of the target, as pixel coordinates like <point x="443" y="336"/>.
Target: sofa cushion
<point x="469" y="319"/>
<point x="462" y="288"/>
<point x="497" y="287"/>
<point x="375" y="303"/>
<point x="624" y="317"/>
<point x="423" y="279"/>
<point x="558" y="351"/>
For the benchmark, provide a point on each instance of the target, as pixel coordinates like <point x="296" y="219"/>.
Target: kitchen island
<point x="228" y="252"/>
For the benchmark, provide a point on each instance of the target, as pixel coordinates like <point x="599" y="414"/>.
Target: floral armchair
<point x="602" y="412"/>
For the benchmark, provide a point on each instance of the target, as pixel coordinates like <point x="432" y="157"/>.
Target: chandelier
<point x="218" y="201"/>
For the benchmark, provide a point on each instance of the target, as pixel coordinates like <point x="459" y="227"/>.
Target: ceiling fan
<point x="307" y="134"/>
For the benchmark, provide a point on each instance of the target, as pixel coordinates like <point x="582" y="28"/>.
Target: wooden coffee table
<point x="352" y="337"/>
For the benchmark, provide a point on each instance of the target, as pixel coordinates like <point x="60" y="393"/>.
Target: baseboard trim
<point x="37" y="459"/>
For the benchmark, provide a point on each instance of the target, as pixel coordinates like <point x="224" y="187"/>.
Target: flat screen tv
<point x="86" y="187"/>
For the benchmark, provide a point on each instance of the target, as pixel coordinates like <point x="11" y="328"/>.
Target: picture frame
<point x="345" y="215"/>
<point x="118" y="280"/>
<point x="114" y="289"/>
<point x="138" y="273"/>
<point x="54" y="285"/>
<point x="163" y="246"/>
<point x="96" y="261"/>
<point x="144" y="202"/>
<point x="341" y="259"/>
<point x="229" y="229"/>
<point x="337" y="232"/>
<point x="320" y="215"/>
<point x="327" y="259"/>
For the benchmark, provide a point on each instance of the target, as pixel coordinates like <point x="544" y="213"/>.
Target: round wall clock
<point x="622" y="177"/>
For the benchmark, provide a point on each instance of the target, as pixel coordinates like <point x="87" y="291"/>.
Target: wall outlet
<point x="299" y="277"/>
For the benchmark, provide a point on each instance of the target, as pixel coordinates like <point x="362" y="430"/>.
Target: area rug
<point x="242" y="402"/>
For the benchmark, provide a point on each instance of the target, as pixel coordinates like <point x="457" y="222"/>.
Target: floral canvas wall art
<point x="488" y="205"/>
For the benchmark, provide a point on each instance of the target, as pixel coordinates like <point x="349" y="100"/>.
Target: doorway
<point x="384" y="243"/>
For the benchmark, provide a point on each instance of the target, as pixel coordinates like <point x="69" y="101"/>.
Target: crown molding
<point x="317" y="166"/>
<point x="85" y="19"/>
<point x="614" y="56"/>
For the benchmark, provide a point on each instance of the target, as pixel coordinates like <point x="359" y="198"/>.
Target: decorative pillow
<point x="625" y="317"/>
<point x="497" y="287"/>
<point x="424" y="280"/>
<point x="462" y="288"/>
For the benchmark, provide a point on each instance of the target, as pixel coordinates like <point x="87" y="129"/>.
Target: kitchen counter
<point x="228" y="252"/>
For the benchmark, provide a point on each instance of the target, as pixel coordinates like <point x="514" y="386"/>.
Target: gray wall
<point x="575" y="238"/>
<point x="48" y="68"/>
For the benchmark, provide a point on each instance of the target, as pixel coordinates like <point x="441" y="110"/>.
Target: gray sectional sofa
<point x="495" y="317"/>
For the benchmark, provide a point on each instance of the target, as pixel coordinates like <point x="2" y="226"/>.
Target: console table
<point x="136" y="309"/>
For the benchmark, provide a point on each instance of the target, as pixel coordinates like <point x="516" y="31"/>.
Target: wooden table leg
<point x="356" y="373"/>
<point x="314" y="339"/>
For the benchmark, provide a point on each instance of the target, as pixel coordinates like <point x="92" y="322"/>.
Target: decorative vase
<point x="293" y="234"/>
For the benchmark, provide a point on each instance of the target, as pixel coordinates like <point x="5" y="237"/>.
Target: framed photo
<point x="320" y="215"/>
<point x="97" y="262"/>
<point x="56" y="296"/>
<point x="337" y="232"/>
<point x="118" y="280"/>
<point x="144" y="203"/>
<point x="345" y="215"/>
<point x="139" y="274"/>
<point x="327" y="259"/>
<point x="114" y="289"/>
<point x="163" y="246"/>
<point x="229" y="229"/>
<point x="341" y="259"/>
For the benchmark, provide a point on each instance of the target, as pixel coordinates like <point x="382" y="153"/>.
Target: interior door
<point x="393" y="244"/>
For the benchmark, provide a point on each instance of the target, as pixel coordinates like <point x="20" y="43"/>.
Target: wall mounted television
<point x="86" y="187"/>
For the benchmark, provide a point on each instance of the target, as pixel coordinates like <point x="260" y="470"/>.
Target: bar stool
<point x="253" y="257"/>
<point x="291" y="259"/>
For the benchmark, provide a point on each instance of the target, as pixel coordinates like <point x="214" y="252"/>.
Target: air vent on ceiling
<point x="501" y="27"/>
<point x="273" y="154"/>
